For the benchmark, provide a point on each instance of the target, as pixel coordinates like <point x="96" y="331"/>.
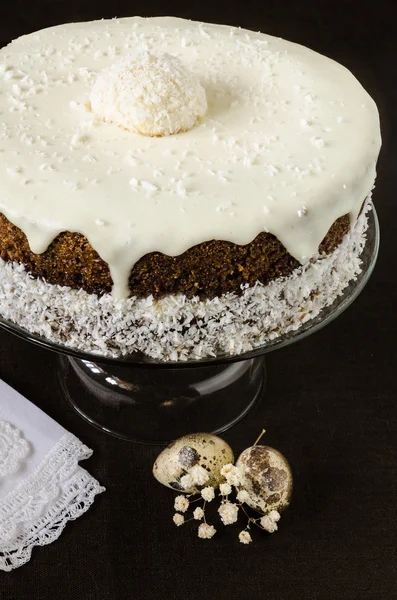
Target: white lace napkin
<point x="42" y="486"/>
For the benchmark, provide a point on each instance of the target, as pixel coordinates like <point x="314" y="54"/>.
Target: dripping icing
<point x="282" y="122"/>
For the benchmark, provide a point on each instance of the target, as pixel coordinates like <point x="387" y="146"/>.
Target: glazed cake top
<point x="285" y="141"/>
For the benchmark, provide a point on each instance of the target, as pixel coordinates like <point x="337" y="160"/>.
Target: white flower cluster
<point x="194" y="482"/>
<point x="225" y="489"/>
<point x="199" y="475"/>
<point x="243" y="496"/>
<point x="245" y="537"/>
<point x="186" y="482"/>
<point x="269" y="522"/>
<point x="198" y="513"/>
<point x="178" y="519"/>
<point x="228" y="513"/>
<point x="196" y="476"/>
<point x="231" y="474"/>
<point x="206" y="531"/>
<point x="208" y="493"/>
<point x="181" y="504"/>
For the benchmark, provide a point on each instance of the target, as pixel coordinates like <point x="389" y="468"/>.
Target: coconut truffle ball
<point x="150" y="93"/>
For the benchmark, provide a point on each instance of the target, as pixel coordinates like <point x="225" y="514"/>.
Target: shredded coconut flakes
<point x="178" y="328"/>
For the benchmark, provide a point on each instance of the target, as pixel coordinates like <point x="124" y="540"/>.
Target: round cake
<point x="177" y="188"/>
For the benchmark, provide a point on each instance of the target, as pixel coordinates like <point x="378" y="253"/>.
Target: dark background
<point x="330" y="406"/>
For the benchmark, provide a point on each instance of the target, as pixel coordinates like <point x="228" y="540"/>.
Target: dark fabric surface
<point x="330" y="405"/>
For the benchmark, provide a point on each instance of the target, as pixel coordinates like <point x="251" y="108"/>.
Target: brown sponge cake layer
<point x="207" y="270"/>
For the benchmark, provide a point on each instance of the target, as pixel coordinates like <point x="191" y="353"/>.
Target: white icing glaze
<point x="288" y="144"/>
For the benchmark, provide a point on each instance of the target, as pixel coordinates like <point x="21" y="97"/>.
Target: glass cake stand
<point x="143" y="400"/>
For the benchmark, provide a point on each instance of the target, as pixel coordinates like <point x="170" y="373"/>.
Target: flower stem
<point x="250" y="519"/>
<point x="259" y="437"/>
<point x="196" y="500"/>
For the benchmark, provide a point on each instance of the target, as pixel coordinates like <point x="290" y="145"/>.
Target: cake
<point x="177" y="188"/>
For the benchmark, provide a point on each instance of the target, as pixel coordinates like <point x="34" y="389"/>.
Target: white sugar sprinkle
<point x="72" y="185"/>
<point x="271" y="170"/>
<point x="14" y="170"/>
<point x="318" y="142"/>
<point x="148" y="186"/>
<point x="135" y="162"/>
<point x="78" y="138"/>
<point x="89" y="158"/>
<point x="46" y="167"/>
<point x="180" y="188"/>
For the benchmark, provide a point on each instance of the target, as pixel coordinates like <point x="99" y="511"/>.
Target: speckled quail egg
<point x="266" y="476"/>
<point x="195" y="450"/>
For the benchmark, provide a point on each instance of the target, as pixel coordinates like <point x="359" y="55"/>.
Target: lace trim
<point x="13" y="448"/>
<point x="37" y="510"/>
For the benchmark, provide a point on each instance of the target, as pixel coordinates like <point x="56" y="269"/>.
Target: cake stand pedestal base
<point x="157" y="405"/>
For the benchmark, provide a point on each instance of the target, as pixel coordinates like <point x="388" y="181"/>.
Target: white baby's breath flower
<point x="226" y="469"/>
<point x="178" y="519"/>
<point x="208" y="493"/>
<point x="225" y="489"/>
<point x="198" y="513"/>
<point x="187" y="482"/>
<point x="245" y="537"/>
<point x="274" y="515"/>
<point x="268" y="524"/>
<point x="234" y="478"/>
<point x="228" y="513"/>
<point x="199" y="475"/>
<point x="181" y="504"/>
<point x="243" y="496"/>
<point x="206" y="531"/>
<point x="231" y="474"/>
